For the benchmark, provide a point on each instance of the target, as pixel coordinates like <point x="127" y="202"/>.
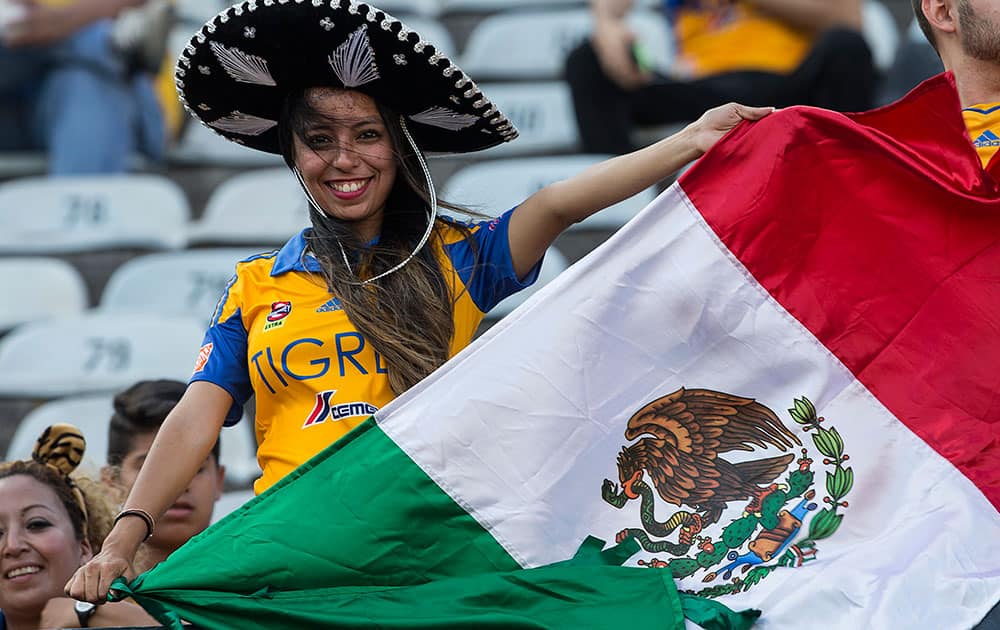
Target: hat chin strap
<point x="431" y="214"/>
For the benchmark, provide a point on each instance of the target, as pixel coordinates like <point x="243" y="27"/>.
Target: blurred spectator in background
<point x="139" y="412"/>
<point x="757" y="52"/>
<point x="75" y="81"/>
<point x="916" y="60"/>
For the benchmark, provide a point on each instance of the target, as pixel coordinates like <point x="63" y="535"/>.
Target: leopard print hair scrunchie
<point x="61" y="447"/>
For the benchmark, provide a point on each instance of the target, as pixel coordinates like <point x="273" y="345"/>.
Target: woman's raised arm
<point x="178" y="451"/>
<point x="537" y="222"/>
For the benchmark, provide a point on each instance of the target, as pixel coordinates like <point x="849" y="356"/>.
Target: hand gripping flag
<point x="780" y="380"/>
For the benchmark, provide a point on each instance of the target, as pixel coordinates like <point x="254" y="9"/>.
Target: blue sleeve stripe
<point x="488" y="274"/>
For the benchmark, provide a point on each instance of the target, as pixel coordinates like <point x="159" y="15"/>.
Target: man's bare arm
<point x="814" y="14"/>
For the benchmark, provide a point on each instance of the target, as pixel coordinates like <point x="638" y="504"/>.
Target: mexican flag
<point x="778" y="385"/>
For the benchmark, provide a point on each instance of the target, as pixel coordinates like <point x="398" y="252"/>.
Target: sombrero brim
<point x="238" y="68"/>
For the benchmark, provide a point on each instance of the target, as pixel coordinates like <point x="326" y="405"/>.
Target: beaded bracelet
<point x="143" y="514"/>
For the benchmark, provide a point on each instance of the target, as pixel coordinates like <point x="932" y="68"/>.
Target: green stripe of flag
<point x="361" y="536"/>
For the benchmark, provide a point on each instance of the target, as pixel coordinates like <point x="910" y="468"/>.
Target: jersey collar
<point x="293" y="256"/>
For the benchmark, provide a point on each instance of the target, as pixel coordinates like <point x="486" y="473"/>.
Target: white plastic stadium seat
<point x="534" y="44"/>
<point x="88" y="213"/>
<point x="95" y="353"/>
<point x="542" y="112"/>
<point x="880" y="31"/>
<point x="432" y="31"/>
<point x="186" y="283"/>
<point x="91" y="414"/>
<point x="553" y="265"/>
<point x="230" y="500"/>
<point x="199" y="145"/>
<point x="492" y="187"/>
<point x="405" y="8"/>
<point x="260" y="207"/>
<point x="38" y="287"/>
<point x="197" y="12"/>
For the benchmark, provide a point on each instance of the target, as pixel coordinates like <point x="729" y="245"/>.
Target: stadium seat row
<point x="44" y="296"/>
<point x="260" y="207"/>
<point x="517" y="56"/>
<point x="198" y="11"/>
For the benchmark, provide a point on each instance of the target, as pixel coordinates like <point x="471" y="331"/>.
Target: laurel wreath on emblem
<point x="681" y="437"/>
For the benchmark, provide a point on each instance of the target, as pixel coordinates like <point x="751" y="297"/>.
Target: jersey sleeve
<point x="488" y="270"/>
<point x="222" y="359"/>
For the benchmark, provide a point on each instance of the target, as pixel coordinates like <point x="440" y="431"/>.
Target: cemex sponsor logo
<point x="324" y="410"/>
<point x="279" y="311"/>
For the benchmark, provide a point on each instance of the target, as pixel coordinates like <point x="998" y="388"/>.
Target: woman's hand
<point x="612" y="42"/>
<point x="92" y="581"/>
<point x="717" y="122"/>
<point x="40" y="24"/>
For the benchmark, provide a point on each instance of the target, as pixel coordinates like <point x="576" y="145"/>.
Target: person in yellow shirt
<point x="966" y="35"/>
<point x="761" y="52"/>
<point x="379" y="291"/>
<point x="67" y="89"/>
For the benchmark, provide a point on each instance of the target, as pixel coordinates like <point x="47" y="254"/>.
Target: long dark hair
<point x="406" y="315"/>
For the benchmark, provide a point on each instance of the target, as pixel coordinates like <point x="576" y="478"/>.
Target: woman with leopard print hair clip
<point x="51" y="522"/>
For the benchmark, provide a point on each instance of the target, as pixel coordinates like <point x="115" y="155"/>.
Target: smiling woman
<point x="50" y="524"/>
<point x="378" y="291"/>
<point x="45" y="519"/>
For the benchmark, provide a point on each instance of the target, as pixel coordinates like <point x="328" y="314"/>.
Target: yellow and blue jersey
<point x="716" y="36"/>
<point x="983" y="123"/>
<point x="279" y="334"/>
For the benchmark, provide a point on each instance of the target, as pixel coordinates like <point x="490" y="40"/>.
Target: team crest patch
<point x="324" y="410"/>
<point x="203" y="355"/>
<point x="736" y="521"/>
<point x="276" y="318"/>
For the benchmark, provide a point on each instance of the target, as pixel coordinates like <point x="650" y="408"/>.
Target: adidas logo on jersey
<point x="988" y="139"/>
<point x="331" y="306"/>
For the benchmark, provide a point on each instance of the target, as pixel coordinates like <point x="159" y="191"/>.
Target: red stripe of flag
<point x="880" y="233"/>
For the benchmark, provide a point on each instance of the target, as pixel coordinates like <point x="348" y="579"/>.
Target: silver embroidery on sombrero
<point x="444" y="118"/>
<point x="354" y="61"/>
<point x="243" y="67"/>
<point x="243" y="124"/>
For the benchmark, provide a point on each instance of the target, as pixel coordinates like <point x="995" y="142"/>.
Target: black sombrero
<point x="237" y="69"/>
